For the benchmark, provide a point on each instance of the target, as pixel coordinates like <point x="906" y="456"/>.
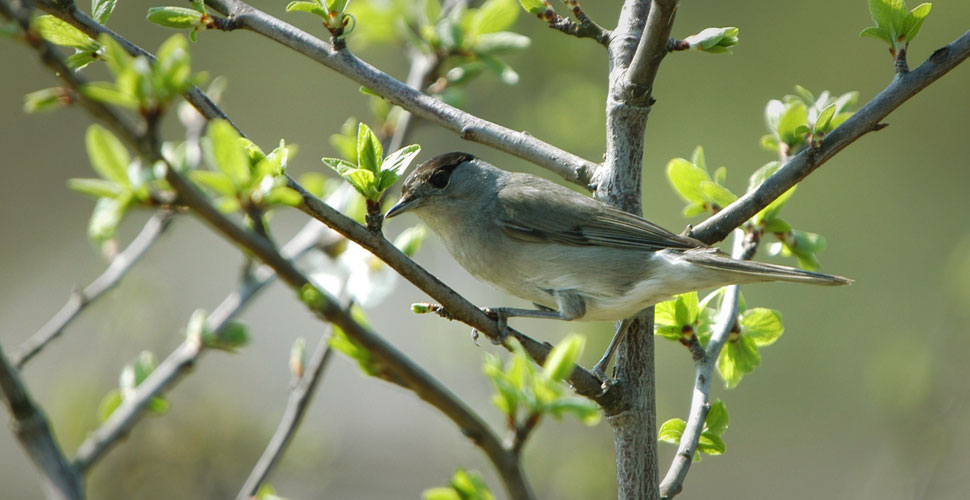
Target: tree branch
<point x="296" y="405"/>
<point x="651" y="50"/>
<point x="700" y="403"/>
<point x="27" y="420"/>
<point x="867" y="119"/>
<point x="170" y="371"/>
<point x="583" y="27"/>
<point x="468" y="126"/>
<point x="117" y="269"/>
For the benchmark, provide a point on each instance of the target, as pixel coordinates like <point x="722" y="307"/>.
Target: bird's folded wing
<point x="524" y="214"/>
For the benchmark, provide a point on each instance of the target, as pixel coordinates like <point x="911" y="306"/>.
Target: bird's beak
<point x="401" y="206"/>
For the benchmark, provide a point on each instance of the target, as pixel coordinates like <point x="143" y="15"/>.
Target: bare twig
<point x="299" y="400"/>
<point x="867" y="119"/>
<point x="119" y="267"/>
<point x="29" y="424"/>
<point x="583" y="27"/>
<point x="700" y="403"/>
<point x="184" y="356"/>
<point x="468" y="126"/>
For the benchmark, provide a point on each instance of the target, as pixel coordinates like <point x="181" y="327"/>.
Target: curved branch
<point x="117" y="269"/>
<point x="651" y="50"/>
<point x="700" y="402"/>
<point x="466" y="125"/>
<point x="867" y="119"/>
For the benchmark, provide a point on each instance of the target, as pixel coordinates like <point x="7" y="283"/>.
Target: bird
<point x="575" y="258"/>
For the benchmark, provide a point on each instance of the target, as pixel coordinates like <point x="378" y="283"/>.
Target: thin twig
<point x="863" y="121"/>
<point x="296" y="405"/>
<point x="184" y="356"/>
<point x="468" y="126"/>
<point x="80" y="299"/>
<point x="700" y="403"/>
<point x="583" y="27"/>
<point x="29" y="424"/>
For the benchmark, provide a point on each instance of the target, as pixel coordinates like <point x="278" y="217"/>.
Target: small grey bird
<point x="574" y="257"/>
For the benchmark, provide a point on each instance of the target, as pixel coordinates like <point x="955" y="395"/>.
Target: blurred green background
<point x="865" y="396"/>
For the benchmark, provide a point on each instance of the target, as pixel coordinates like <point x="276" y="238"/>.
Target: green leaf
<point x="230" y="338"/>
<point x="364" y="181"/>
<point x="792" y="123"/>
<point x="824" y="120"/>
<point x="776" y="225"/>
<point x="710" y="444"/>
<point x="672" y="430"/>
<point x="585" y="410"/>
<point x="493" y="16"/>
<point x="312" y="297"/>
<point x="227" y="154"/>
<point x="876" y="32"/>
<point x="109" y="403"/>
<point x="79" y="60"/>
<point x="395" y="164"/>
<point x="345" y="142"/>
<point x="717" y="193"/>
<point x="175" y="17"/>
<point x="369" y="150"/>
<point x="340" y="166"/>
<point x="310" y="7"/>
<point x="59" y="32"/>
<point x="158" y="405"/>
<point x="763" y="326"/>
<point x="101" y="10"/>
<point x="737" y="358"/>
<point x="914" y="20"/>
<point x="503" y="41"/>
<point x="337" y="5"/>
<point x="98" y="188"/>
<point x="282" y="195"/>
<point x="501" y="68"/>
<point x="714" y="40"/>
<point x="720" y="175"/>
<point x="562" y="358"/>
<point x="686" y="178"/>
<point x="218" y="182"/>
<point x="717" y="418"/>
<point x="533" y="6"/>
<point x="45" y="100"/>
<point x="108" y="155"/>
<point x="465" y="72"/>
<point x="698" y="158"/>
<point x="506" y="398"/>
<point x="109" y="93"/>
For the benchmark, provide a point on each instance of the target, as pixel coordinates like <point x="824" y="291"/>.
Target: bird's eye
<point x="439" y="179"/>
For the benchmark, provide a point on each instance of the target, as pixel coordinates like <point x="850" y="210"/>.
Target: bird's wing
<point x="577" y="219"/>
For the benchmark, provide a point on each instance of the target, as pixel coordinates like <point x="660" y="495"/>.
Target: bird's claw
<point x="599" y="371"/>
<point x="501" y="322"/>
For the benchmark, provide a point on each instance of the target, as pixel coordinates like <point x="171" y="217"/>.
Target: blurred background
<point x="864" y="396"/>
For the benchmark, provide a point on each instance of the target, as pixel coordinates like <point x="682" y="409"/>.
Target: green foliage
<point x="312" y="297"/>
<point x="800" y="120"/>
<point x="894" y="24"/>
<point x="683" y="316"/>
<point x="757" y="327"/>
<point x="132" y="375"/>
<point x="333" y="14"/>
<point x="714" y="40"/>
<point x="464" y="485"/>
<point x="141" y="86"/>
<point x="58" y="32"/>
<point x="802" y="245"/>
<point x="372" y="175"/>
<point x="101" y="10"/>
<point x="536" y="7"/>
<point x="521" y="388"/>
<point x="230" y="338"/>
<point x="45" y="100"/>
<point x="195" y="18"/>
<point x="710" y="441"/>
<point x="469" y="40"/>
<point x="366" y="361"/>
<point x="692" y="182"/>
<point x="240" y="175"/>
<point x="267" y="492"/>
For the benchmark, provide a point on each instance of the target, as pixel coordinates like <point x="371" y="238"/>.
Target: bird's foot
<point x="501" y="318"/>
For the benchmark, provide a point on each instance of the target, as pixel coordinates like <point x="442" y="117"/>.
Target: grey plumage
<point x="563" y="250"/>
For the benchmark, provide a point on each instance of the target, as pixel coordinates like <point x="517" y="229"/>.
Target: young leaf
<point x="175" y="17"/>
<point x="686" y="178"/>
<point x="310" y="7"/>
<point x="101" y="10"/>
<point x="230" y="338"/>
<point x="98" y="188"/>
<point x="59" y="32"/>
<point x="216" y="181"/>
<point x="672" y="430"/>
<point x="560" y="361"/>
<point x="227" y="153"/>
<point x="108" y="155"/>
<point x="493" y="16"/>
<point x="763" y="326"/>
<point x="395" y="164"/>
<point x="824" y="120"/>
<point x="109" y="93"/>
<point x="503" y="41"/>
<point x="45" y="100"/>
<point x="369" y="150"/>
<point x="533" y="6"/>
<point x="717" y="418"/>
<point x="340" y="166"/>
<point x="914" y="20"/>
<point x="738" y="357"/>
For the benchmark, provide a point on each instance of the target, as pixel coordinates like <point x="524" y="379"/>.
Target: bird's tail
<point x="760" y="271"/>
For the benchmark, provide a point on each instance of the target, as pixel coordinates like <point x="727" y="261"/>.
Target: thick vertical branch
<point x="636" y="49"/>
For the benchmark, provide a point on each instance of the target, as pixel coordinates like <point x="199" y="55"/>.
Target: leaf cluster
<point x="894" y="24"/>
<point x="801" y="120"/>
<point x="132" y="375"/>
<point x="372" y="173"/>
<point x="464" y="485"/>
<point x="710" y="441"/>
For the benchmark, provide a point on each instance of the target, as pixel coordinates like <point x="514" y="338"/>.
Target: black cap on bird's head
<point x="435" y="173"/>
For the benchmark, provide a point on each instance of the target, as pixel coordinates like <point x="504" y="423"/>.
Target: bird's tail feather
<point x="760" y="271"/>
